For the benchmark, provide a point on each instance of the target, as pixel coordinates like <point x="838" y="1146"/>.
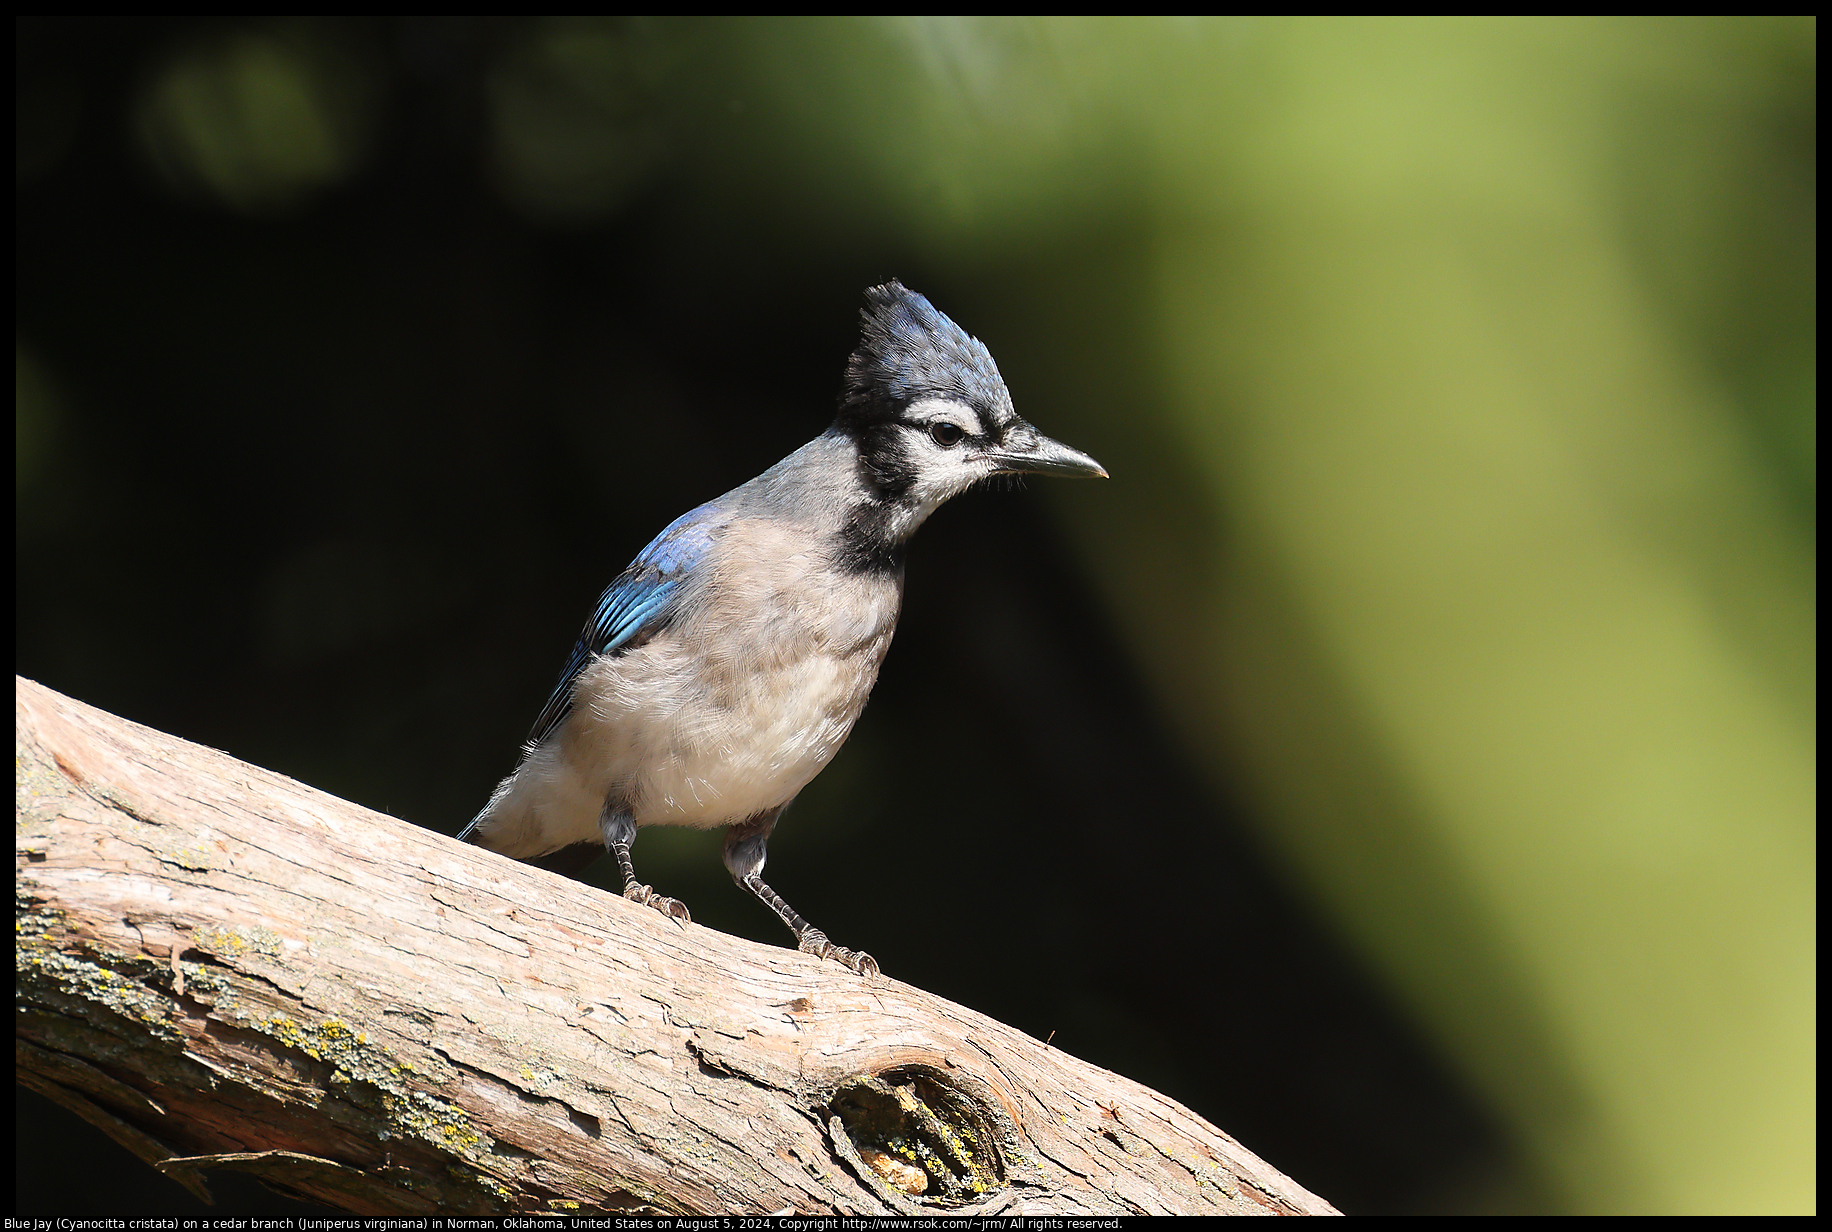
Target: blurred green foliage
<point x="260" y="119"/>
<point x="1457" y="378"/>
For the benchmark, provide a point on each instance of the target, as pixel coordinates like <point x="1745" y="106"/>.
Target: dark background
<point x="334" y="422"/>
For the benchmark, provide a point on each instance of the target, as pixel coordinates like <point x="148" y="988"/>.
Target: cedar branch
<point x="225" y="969"/>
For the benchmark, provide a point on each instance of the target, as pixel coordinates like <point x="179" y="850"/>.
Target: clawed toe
<point x="815" y="942"/>
<point x="673" y="908"/>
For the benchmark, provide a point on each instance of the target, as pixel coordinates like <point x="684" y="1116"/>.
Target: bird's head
<point x="930" y="414"/>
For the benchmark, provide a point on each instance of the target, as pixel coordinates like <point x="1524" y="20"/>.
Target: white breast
<point x="784" y="653"/>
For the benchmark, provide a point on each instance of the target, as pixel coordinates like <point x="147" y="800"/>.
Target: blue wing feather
<point x="637" y="606"/>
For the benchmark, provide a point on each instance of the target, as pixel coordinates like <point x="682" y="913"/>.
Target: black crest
<point x="908" y="350"/>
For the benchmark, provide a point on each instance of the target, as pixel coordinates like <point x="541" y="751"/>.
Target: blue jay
<point x="727" y="665"/>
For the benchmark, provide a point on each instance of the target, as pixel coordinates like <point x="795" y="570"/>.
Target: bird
<point x="724" y="668"/>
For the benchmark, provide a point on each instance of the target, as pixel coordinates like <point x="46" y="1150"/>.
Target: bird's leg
<point x="744" y="856"/>
<point x="619" y="832"/>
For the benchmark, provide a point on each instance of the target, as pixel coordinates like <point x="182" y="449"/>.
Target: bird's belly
<point x="704" y="745"/>
<point x="755" y="753"/>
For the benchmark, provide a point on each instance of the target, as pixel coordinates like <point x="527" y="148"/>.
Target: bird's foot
<point x="815" y="942"/>
<point x="673" y="908"/>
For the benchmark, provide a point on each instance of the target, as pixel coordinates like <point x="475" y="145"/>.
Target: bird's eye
<point x="946" y="434"/>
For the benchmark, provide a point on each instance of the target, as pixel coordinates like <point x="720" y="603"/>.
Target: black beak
<point x="1026" y="450"/>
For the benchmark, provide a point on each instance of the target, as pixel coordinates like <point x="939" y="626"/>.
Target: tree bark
<point x="226" y="969"/>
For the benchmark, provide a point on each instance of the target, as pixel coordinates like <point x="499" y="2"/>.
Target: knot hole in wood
<point x="918" y="1131"/>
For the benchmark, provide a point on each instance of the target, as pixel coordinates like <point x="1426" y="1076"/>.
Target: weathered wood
<point x="224" y="968"/>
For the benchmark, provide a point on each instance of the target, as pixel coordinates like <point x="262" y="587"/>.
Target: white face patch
<point x="940" y="465"/>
